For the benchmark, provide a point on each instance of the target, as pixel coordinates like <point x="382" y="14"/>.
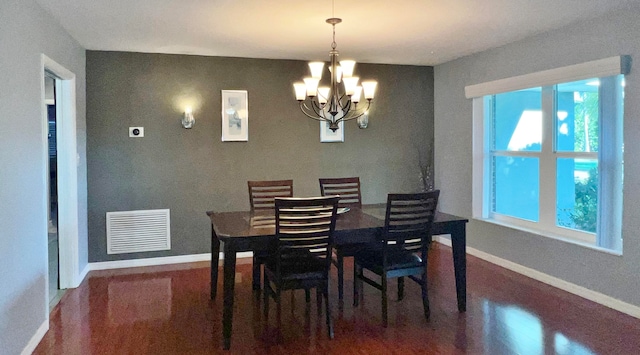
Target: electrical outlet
<point x="136" y="132"/>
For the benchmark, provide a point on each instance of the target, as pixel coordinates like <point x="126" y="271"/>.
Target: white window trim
<point x="608" y="158"/>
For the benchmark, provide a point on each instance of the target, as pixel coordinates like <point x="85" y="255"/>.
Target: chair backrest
<point x="263" y="193"/>
<point x="348" y="189"/>
<point x="408" y="221"/>
<point x="304" y="227"/>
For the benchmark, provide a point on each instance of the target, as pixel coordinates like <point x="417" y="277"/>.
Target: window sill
<point x="550" y="235"/>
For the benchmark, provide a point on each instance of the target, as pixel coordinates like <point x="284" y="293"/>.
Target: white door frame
<point x="67" y="169"/>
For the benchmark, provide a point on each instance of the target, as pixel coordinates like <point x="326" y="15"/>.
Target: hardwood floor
<point x="166" y="310"/>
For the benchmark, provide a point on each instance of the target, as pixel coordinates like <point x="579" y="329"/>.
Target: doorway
<point x="60" y="153"/>
<point x="55" y="292"/>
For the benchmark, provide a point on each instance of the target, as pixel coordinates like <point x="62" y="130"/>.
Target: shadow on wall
<point x="22" y="316"/>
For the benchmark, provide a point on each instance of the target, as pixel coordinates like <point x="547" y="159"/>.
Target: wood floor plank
<point x="167" y="310"/>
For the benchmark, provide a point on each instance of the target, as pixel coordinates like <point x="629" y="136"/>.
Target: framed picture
<point x="328" y="136"/>
<point x="235" y="115"/>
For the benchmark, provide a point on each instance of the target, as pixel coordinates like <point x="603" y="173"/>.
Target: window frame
<point x="608" y="236"/>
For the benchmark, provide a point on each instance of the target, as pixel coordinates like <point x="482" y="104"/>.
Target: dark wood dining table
<point x="243" y="231"/>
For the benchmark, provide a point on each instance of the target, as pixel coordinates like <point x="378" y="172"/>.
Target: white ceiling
<point x="418" y="32"/>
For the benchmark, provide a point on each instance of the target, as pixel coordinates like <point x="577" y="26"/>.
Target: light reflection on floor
<point x="153" y="304"/>
<point x="523" y="332"/>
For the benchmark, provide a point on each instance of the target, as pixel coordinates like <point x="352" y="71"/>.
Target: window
<point x="548" y="152"/>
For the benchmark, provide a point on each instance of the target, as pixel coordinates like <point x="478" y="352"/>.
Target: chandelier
<point x="339" y="101"/>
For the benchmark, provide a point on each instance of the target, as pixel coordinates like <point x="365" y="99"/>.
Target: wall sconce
<point x="363" y="121"/>
<point x="188" y="120"/>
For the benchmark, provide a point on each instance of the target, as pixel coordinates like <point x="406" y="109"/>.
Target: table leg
<point x="459" y="246"/>
<point x="215" y="259"/>
<point x="229" y="283"/>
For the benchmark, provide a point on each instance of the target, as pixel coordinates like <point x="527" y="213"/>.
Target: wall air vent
<point x="138" y="231"/>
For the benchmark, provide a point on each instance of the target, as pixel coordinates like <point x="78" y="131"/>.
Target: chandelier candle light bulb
<point x="347" y="67"/>
<point x="339" y="101"/>
<point x="355" y="98"/>
<point x="311" y="84"/>
<point x="316" y="69"/>
<point x="369" y="88"/>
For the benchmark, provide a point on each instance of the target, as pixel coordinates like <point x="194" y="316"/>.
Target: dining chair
<point x="403" y="251"/>
<point x="263" y="192"/>
<point x="301" y="256"/>
<point x="350" y="196"/>
<point x="261" y="199"/>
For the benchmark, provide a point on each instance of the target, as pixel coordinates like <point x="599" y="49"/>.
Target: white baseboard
<point x="166" y="260"/>
<point x="83" y="274"/>
<point x="583" y="292"/>
<point x="36" y="338"/>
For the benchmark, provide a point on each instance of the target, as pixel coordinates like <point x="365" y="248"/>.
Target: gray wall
<point x="192" y="171"/>
<point x="616" y="34"/>
<point x="26" y="31"/>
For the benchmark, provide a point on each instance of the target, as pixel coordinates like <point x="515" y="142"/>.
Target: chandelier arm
<point x="322" y="114"/>
<point x="304" y="108"/>
<point x="341" y="99"/>
<point x="356" y="113"/>
<point x="346" y="108"/>
<point x="315" y="107"/>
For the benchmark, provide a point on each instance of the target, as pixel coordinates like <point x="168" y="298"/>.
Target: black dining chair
<point x="350" y="196"/>
<point x="261" y="199"/>
<point x="300" y="257"/>
<point x="403" y="251"/>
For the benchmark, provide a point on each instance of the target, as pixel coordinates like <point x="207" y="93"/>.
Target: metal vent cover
<point x="138" y="231"/>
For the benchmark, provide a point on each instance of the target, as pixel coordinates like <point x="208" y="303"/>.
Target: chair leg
<point x="319" y="300"/>
<point x="425" y="296"/>
<point x="278" y="307"/>
<point x="356" y="283"/>
<point x="328" y="310"/>
<point x="256" y="274"/>
<point x="384" y="300"/>
<point x="400" y="288"/>
<point x="340" y="260"/>
<point x="265" y="294"/>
